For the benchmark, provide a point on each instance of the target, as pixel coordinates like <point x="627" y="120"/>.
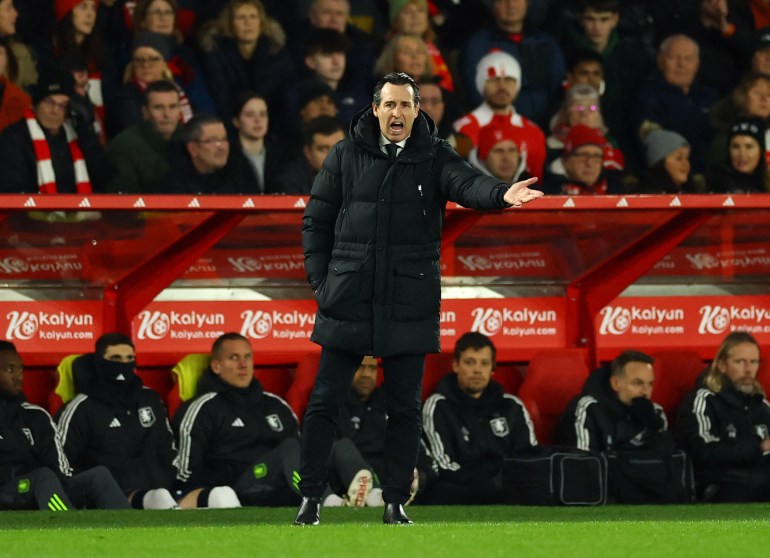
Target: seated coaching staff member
<point x="372" y="239"/>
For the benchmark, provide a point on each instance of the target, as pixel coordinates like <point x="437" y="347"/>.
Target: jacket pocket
<point x="416" y="290"/>
<point x="341" y="293"/>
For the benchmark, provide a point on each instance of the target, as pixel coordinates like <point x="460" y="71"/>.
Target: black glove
<point x="643" y="413"/>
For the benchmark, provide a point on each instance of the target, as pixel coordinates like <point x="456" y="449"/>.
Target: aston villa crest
<point x="499" y="427"/>
<point x="146" y="417"/>
<point x="275" y="422"/>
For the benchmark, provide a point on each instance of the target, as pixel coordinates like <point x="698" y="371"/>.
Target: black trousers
<point x="273" y="480"/>
<point x="344" y="462"/>
<point x="402" y="385"/>
<point x="41" y="489"/>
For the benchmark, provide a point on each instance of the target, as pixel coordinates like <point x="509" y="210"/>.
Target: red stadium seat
<point x="764" y="374"/>
<point x="38" y="385"/>
<point x="553" y="378"/>
<point x="675" y="374"/>
<point x="509" y="375"/>
<point x="275" y="379"/>
<point x="437" y="365"/>
<point x="298" y="393"/>
<point x="158" y="379"/>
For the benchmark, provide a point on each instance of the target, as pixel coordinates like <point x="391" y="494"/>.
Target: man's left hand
<point x="519" y="193"/>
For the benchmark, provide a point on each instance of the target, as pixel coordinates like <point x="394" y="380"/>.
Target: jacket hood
<point x="597" y="385"/>
<point x="364" y="131"/>
<point x="114" y="383"/>
<point x="478" y="164"/>
<point x="211" y="382"/>
<point x="449" y="388"/>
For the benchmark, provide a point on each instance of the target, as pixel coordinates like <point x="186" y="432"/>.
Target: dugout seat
<point x="158" y="379"/>
<point x="509" y="375"/>
<point x="437" y="365"/>
<point x="298" y="394"/>
<point x="274" y="379"/>
<point x="553" y="378"/>
<point x="764" y="374"/>
<point x="675" y="374"/>
<point x="38" y="384"/>
<point x="185" y="375"/>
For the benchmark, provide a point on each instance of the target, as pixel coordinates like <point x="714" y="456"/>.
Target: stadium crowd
<point x="247" y="96"/>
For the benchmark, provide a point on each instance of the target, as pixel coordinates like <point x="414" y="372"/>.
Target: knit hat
<point x="156" y="41"/>
<point x="659" y="144"/>
<point x="753" y="127"/>
<point x="63" y="7"/>
<point x="397" y="5"/>
<point x="56" y="82"/>
<point x="581" y="135"/>
<point x="313" y="89"/>
<point x="498" y="130"/>
<point x="496" y="64"/>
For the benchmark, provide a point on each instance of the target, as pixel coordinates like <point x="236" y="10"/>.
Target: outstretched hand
<point x="519" y="193"/>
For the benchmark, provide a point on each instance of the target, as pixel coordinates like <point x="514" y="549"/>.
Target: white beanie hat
<point x="496" y="64"/>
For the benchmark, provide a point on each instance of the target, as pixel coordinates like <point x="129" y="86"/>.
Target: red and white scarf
<point x="94" y="94"/>
<point x="46" y="178"/>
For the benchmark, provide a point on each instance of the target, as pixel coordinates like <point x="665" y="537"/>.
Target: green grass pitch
<point x="445" y="532"/>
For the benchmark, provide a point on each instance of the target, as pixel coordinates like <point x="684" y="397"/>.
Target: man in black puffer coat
<point x="372" y="239"/>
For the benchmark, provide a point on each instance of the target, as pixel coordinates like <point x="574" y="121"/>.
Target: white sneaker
<point x="333" y="501"/>
<point x="360" y="488"/>
<point x="374" y="500"/>
<point x="223" y="497"/>
<point x="159" y="499"/>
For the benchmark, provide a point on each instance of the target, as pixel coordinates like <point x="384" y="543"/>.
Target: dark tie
<point x="392" y="149"/>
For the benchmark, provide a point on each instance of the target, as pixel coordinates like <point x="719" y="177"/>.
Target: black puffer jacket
<point x="597" y="420"/>
<point x="372" y="237"/>
<point x="225" y="430"/>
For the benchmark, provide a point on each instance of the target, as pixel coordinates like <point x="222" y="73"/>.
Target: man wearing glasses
<point x="50" y="150"/>
<point x="583" y="162"/>
<point x="204" y="163"/>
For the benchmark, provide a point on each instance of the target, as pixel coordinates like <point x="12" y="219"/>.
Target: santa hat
<point x="581" y="135"/>
<point x="498" y="130"/>
<point x="63" y="7"/>
<point x="496" y="64"/>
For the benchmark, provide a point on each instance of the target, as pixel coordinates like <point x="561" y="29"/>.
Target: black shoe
<point x="309" y="512"/>
<point x="395" y="515"/>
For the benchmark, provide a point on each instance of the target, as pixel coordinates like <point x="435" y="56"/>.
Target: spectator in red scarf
<point x="583" y="158"/>
<point x="47" y="152"/>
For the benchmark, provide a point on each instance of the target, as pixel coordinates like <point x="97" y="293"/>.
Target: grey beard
<point x="747" y="389"/>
